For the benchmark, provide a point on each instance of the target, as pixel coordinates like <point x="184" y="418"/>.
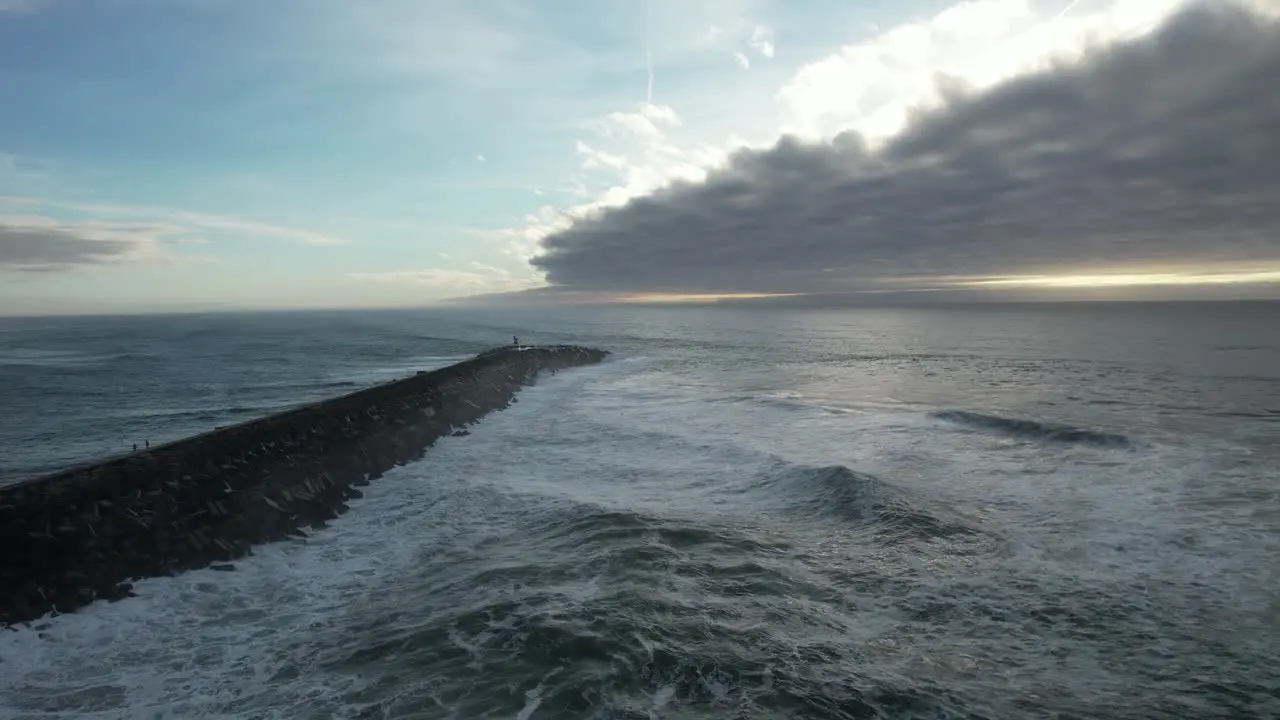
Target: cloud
<point x="648" y="122"/>
<point x="593" y="158"/>
<point x="872" y="85"/>
<point x="23" y="7"/>
<point x="256" y="229"/>
<point x="29" y="173"/>
<point x="186" y="221"/>
<point x="762" y="40"/>
<point x="738" y="30"/>
<point x="40" y="244"/>
<point x="435" y="277"/>
<point x="88" y="234"/>
<point x="1156" y="152"/>
<point x="484" y="279"/>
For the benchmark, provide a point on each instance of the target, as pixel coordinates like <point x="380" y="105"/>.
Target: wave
<point x="35" y="357"/>
<point x="264" y="405"/>
<point x="49" y="358"/>
<point x="791" y="403"/>
<point x="1263" y="415"/>
<point x="861" y="499"/>
<point x="894" y="357"/>
<point x="196" y="415"/>
<point x="601" y="611"/>
<point x="1033" y="429"/>
<point x="132" y="355"/>
<point x="322" y="385"/>
<point x="240" y="410"/>
<point x="327" y="385"/>
<point x="619" y="641"/>
<point x="626" y="533"/>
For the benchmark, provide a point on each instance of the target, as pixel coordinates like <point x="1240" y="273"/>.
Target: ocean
<point x="1004" y="511"/>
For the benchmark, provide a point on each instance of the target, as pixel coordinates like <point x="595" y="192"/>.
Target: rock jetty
<point x="83" y="534"/>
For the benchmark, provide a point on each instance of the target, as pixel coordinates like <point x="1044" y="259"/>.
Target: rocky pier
<point x="84" y="534"/>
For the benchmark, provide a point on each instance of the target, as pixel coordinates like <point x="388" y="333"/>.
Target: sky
<point x="160" y="155"/>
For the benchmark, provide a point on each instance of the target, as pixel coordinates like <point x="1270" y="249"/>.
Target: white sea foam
<point x="210" y="643"/>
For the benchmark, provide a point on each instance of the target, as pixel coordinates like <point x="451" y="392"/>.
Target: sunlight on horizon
<point x="1241" y="277"/>
<point x="657" y="298"/>
<point x="1081" y="281"/>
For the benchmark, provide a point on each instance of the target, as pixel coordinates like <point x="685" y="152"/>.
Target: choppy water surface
<point x="966" y="513"/>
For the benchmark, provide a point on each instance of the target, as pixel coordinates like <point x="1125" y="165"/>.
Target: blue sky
<point x="320" y="153"/>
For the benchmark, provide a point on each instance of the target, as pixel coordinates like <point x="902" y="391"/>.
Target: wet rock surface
<point x="81" y="535"/>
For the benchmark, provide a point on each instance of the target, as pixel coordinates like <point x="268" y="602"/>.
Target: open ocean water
<point x="1032" y="511"/>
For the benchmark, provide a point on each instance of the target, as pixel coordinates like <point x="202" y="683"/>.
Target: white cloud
<point x="190" y="222"/>
<point x="189" y="241"/>
<point x="256" y="229"/>
<point x="435" y="277"/>
<point x="647" y="122"/>
<point x="479" y="157"/>
<point x="522" y="242"/>
<point x="737" y="30"/>
<point x="593" y="159"/>
<point x="491" y="270"/>
<point x="452" y="282"/>
<point x="872" y="86"/>
<point x="661" y="114"/>
<point x="762" y="40"/>
<point x="658" y="164"/>
<point x="635" y="123"/>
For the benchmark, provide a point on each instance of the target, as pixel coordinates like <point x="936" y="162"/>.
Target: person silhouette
<point x="515" y="340"/>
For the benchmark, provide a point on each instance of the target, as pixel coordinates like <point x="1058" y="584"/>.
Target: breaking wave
<point x="861" y="500"/>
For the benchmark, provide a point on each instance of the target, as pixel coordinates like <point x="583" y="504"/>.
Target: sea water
<point x="1027" y="511"/>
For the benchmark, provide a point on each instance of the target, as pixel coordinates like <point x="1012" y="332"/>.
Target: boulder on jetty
<point x="83" y="534"/>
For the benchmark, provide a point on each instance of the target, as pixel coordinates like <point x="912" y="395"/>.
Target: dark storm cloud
<point x="44" y="249"/>
<point x="1163" y="150"/>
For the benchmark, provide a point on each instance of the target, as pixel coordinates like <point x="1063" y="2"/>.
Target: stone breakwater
<point x="81" y="535"/>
